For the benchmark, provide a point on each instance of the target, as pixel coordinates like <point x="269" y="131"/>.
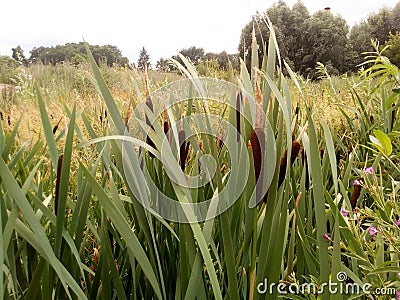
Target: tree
<point x="298" y="46"/>
<point x="303" y="40"/>
<point x="393" y="51"/>
<point x="359" y="42"/>
<point x="326" y="42"/>
<point x="289" y="26"/>
<point x="8" y="69"/>
<point x="144" y="60"/>
<point x="194" y="54"/>
<point x="163" y="65"/>
<point x="18" y="55"/>
<point x="76" y="53"/>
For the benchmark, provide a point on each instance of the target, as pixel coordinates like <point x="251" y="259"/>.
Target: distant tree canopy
<point x="306" y="39"/>
<point x="198" y="56"/>
<point x="76" y="53"/>
<point x="18" y="55"/>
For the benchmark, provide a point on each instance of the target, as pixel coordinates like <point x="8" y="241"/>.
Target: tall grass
<point x="73" y="225"/>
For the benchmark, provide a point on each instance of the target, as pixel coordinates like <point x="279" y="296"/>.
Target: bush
<point x="8" y="69"/>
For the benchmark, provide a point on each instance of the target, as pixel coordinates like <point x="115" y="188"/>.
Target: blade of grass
<point x="48" y="131"/>
<point x="39" y="236"/>
<point x="313" y="155"/>
<point x="63" y="182"/>
<point x="125" y="230"/>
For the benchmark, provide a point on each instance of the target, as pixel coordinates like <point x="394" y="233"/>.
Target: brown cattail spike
<point x="356" y="193"/>
<point x="293" y="154"/>
<point x="56" y="127"/>
<point x="167" y="126"/>
<point x="371" y="119"/>
<point x="239" y="99"/>
<point x="257" y="142"/>
<point x="58" y="181"/>
<point x="393" y="117"/>
<point x="183" y="149"/>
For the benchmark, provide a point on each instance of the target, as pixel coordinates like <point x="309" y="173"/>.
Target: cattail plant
<point x="56" y="126"/>
<point x="356" y="193"/>
<point x="58" y="181"/>
<point x="393" y="119"/>
<point x="183" y="149"/>
<point x="293" y="155"/>
<point x="257" y="142"/>
<point x="149" y="104"/>
<point x="239" y="100"/>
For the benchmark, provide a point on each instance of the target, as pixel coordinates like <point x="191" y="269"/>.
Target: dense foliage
<point x="322" y="37"/>
<point x="71" y="52"/>
<point x="197" y="56"/>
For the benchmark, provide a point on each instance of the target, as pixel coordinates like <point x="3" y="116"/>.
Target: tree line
<point x="304" y="40"/>
<point x="74" y="53"/>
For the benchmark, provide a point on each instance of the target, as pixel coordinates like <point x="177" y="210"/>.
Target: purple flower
<point x="326" y="236"/>
<point x="369" y="170"/>
<point x="398" y="221"/>
<point x="398" y="295"/>
<point x="343" y="212"/>
<point x="356" y="182"/>
<point x="373" y="230"/>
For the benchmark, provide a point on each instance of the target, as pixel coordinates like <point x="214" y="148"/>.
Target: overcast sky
<point x="162" y="27"/>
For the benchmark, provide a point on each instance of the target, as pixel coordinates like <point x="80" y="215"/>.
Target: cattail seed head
<point x="239" y="99"/>
<point x="392" y="121"/>
<point x="183" y="149"/>
<point x="355" y="194"/>
<point x="257" y="142"/>
<point x="257" y="145"/>
<point x="293" y="154"/>
<point x="58" y="181"/>
<point x="56" y="127"/>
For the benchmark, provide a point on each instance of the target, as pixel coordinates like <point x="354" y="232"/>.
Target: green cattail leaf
<point x="120" y="222"/>
<point x="48" y="129"/>
<point x="382" y="142"/>
<point x="313" y="157"/>
<point x="10" y="141"/>
<point x="331" y="152"/>
<point x="106" y="94"/>
<point x="37" y="237"/>
<point x="63" y="182"/>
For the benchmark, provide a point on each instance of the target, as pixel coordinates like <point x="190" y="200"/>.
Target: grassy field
<point x="301" y="177"/>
